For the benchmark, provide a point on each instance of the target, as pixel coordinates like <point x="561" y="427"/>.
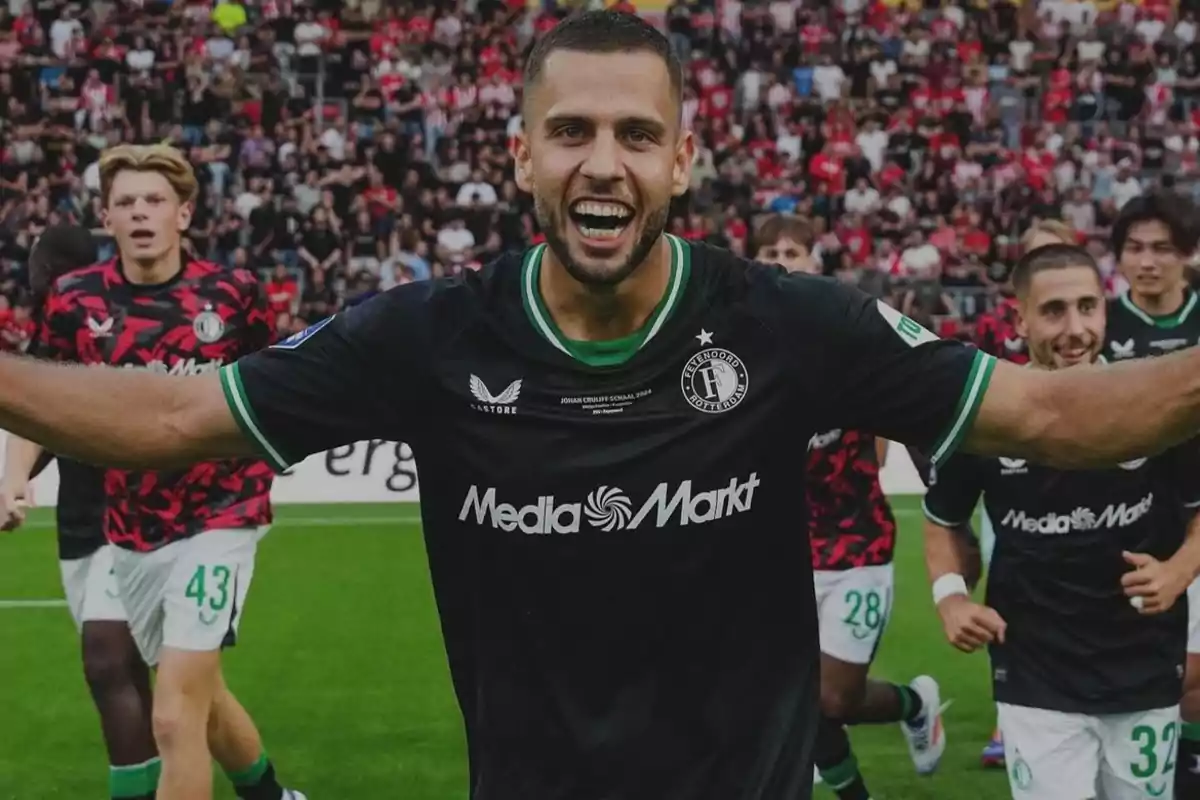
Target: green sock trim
<point x="251" y="774"/>
<point x="137" y="780"/>
<point x="1190" y="731"/>
<point x="841" y="775"/>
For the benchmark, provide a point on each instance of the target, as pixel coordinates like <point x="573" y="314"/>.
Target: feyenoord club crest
<point x="208" y="326"/>
<point x="714" y="380"/>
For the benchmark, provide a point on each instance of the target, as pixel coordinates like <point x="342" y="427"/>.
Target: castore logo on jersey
<point x="100" y="330"/>
<point x="608" y="508"/>
<point x="1122" y="349"/>
<point x="1013" y="466"/>
<point x="489" y="403"/>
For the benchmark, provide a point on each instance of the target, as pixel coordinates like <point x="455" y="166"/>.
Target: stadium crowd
<point x="348" y="147"/>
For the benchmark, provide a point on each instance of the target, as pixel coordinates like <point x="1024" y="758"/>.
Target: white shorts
<point x="91" y="588"/>
<point x="1052" y="755"/>
<point x="1193" y="599"/>
<point x="189" y="594"/>
<point x="852" y="610"/>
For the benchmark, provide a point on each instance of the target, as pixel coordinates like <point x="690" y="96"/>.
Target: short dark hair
<point x="1176" y="211"/>
<point x="778" y="226"/>
<point x="1048" y="257"/>
<point x="60" y="249"/>
<point x="604" y="32"/>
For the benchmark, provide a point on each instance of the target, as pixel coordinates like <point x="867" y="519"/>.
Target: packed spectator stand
<point x="346" y="147"/>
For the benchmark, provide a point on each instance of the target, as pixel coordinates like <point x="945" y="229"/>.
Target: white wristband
<point x="949" y="584"/>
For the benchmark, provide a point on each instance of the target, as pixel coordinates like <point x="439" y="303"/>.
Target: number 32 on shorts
<point x="209" y="587"/>
<point x="1148" y="740"/>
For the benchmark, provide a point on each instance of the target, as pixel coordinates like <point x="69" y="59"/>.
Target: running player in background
<point x="185" y="540"/>
<point x="1153" y="237"/>
<point x="996" y="332"/>
<point x="1085" y="636"/>
<point x="853" y="536"/>
<point x="117" y="678"/>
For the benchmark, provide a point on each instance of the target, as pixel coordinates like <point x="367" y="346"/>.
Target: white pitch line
<point x="32" y="604"/>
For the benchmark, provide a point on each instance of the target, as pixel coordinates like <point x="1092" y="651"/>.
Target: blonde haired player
<point x="184" y="540"/>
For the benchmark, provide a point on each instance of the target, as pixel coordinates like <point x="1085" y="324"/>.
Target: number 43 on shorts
<point x="209" y="587"/>
<point x="1148" y="740"/>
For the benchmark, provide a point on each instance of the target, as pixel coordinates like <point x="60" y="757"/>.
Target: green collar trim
<point x="1172" y="320"/>
<point x="612" y="351"/>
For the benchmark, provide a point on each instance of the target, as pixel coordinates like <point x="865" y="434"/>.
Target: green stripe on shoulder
<point x="243" y="414"/>
<point x="968" y="406"/>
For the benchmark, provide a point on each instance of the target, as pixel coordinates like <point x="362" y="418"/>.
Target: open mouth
<point x="142" y="236"/>
<point x="601" y="219"/>
<point x="1075" y="354"/>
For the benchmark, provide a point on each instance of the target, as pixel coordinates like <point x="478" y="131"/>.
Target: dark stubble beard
<point x="553" y="227"/>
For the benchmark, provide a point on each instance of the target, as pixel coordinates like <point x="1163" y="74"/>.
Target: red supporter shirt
<point x="15" y="335"/>
<point x="280" y="295"/>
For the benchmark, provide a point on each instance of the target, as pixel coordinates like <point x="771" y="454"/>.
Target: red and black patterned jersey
<point x="850" y="523"/>
<point x="203" y="318"/>
<point x="996" y="333"/>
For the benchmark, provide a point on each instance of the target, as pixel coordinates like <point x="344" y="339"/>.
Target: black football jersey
<point x="1132" y="333"/>
<point x="1073" y="642"/>
<point x="627" y="610"/>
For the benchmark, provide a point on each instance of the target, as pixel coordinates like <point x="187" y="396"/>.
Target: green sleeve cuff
<point x="243" y="413"/>
<point x="968" y="407"/>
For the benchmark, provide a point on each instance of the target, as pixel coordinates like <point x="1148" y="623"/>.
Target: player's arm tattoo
<point x="118" y="417"/>
<point x="1089" y="416"/>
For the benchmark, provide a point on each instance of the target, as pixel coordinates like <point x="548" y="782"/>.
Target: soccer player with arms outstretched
<point x="183" y="540"/>
<point x="1085" y="637"/>
<point x="853" y="536"/>
<point x="1153" y="237"/>
<point x="608" y="428"/>
<point x="117" y="678"/>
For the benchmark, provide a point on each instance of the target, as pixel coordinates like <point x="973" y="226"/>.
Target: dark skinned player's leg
<point x="849" y="697"/>
<point x="120" y="685"/>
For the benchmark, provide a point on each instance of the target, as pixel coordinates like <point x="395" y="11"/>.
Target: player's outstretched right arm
<point x="361" y="374"/>
<point x="118" y="417"/>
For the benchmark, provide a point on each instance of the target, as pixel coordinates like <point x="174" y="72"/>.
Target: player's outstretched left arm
<point x="118" y="417"/>
<point x="1089" y="416"/>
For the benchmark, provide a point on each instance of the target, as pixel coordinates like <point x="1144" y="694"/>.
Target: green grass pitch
<point x="341" y="664"/>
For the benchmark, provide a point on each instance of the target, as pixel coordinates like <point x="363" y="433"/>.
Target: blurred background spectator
<point x="347" y="147"/>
